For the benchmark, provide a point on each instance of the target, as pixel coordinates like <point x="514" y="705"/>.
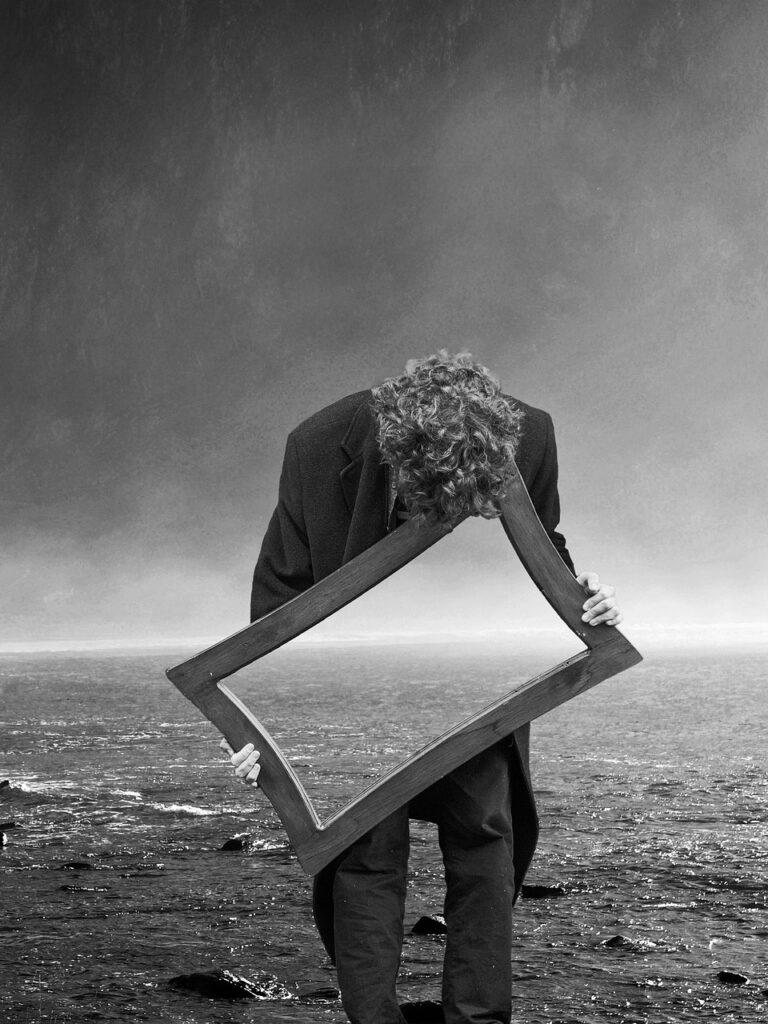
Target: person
<point x="433" y="442"/>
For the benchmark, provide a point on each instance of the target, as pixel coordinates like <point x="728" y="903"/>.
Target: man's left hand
<point x="600" y="607"/>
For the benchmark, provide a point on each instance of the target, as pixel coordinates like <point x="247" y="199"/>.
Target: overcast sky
<point x="216" y="219"/>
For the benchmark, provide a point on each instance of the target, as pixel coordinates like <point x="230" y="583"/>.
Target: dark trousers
<point x="471" y="807"/>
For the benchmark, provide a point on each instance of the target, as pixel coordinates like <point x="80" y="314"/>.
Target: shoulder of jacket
<point x="534" y="420"/>
<point x="331" y="421"/>
<point x="538" y="415"/>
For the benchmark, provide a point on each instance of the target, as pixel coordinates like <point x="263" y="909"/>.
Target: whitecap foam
<point x="193" y="809"/>
<point x="30" y="785"/>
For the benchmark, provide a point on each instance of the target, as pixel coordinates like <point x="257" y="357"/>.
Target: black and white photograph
<point x="384" y="576"/>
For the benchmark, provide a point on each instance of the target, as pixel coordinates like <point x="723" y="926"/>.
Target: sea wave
<point x="193" y="809"/>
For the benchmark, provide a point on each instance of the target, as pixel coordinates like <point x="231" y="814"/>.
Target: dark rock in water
<point x="76" y="865"/>
<point x="434" y="925"/>
<point x="12" y="795"/>
<point x="629" y="945"/>
<point x="542" y="892"/>
<point x="226" y="985"/>
<point x="732" y="978"/>
<point x="316" y="993"/>
<point x="237" y="843"/>
<point x="5" y="825"/>
<point x="425" y="1012"/>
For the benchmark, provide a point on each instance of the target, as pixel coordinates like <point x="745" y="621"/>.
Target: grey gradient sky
<point x="216" y="219"/>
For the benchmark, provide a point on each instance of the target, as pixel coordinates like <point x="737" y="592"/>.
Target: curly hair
<point x="448" y="434"/>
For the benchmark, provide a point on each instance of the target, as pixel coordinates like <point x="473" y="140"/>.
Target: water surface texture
<point x="651" y="790"/>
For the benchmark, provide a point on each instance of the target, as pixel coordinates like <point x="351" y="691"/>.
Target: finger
<point x="250" y="779"/>
<point x="606" y="605"/>
<point x="226" y="748"/>
<point x="590" y="581"/>
<point x="605" y="590"/>
<point x="247" y="765"/>
<point x="609" y="618"/>
<point x="241" y="755"/>
<point x="603" y="621"/>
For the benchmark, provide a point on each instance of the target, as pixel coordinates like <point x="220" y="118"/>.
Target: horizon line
<point x="710" y="634"/>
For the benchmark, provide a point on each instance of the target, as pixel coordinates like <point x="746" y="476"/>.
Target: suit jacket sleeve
<point x="284" y="566"/>
<point x="544" y="495"/>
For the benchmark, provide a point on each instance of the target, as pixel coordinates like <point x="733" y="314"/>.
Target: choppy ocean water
<point x="652" y="795"/>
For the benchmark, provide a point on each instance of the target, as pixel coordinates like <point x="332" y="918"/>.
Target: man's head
<point x="449" y="435"/>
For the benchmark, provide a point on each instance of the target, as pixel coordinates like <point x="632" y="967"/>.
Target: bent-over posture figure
<point x="433" y="442"/>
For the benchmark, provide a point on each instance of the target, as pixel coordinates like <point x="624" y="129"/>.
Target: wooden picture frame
<point x="318" y="842"/>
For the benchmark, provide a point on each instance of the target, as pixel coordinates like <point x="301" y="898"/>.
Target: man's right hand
<point x="245" y="762"/>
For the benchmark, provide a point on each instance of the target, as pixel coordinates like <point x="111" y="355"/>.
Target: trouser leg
<point x="369" y="900"/>
<point x="475" y="830"/>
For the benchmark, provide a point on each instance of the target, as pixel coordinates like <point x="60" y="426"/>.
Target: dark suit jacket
<point x="333" y="498"/>
<point x="333" y="504"/>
